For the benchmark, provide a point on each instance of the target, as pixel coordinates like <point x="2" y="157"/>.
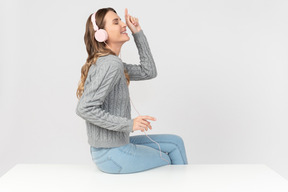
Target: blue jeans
<point x="140" y="154"/>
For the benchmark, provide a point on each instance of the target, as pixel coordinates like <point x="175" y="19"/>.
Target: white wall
<point x="221" y="85"/>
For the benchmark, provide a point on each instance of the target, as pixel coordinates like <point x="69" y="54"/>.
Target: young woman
<point x="104" y="101"/>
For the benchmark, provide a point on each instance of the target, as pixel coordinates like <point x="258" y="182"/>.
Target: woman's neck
<point x="115" y="48"/>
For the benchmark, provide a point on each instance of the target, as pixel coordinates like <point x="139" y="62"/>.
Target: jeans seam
<point x="103" y="161"/>
<point x="117" y="165"/>
<point x="164" y="142"/>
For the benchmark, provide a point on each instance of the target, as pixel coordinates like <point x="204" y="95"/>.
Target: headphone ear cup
<point x="101" y="35"/>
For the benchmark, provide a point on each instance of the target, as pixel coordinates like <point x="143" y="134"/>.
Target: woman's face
<point x="115" y="28"/>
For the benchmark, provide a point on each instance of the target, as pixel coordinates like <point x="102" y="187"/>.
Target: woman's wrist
<point x="137" y="30"/>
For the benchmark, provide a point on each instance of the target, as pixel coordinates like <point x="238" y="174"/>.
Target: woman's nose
<point x="123" y="24"/>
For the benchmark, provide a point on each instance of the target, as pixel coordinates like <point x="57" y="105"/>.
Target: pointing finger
<point x="126" y="13"/>
<point x="149" y="118"/>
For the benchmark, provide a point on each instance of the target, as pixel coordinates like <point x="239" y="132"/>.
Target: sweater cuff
<point x="130" y="125"/>
<point x="138" y="34"/>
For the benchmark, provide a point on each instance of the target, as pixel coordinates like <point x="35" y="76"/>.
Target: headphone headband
<point x="94" y="22"/>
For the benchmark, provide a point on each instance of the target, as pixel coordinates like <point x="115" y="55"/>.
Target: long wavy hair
<point x="94" y="48"/>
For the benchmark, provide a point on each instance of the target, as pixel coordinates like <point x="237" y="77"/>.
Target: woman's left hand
<point x="132" y="22"/>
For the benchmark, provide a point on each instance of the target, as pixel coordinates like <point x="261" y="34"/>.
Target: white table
<point x="179" y="178"/>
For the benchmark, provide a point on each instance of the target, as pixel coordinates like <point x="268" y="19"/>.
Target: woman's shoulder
<point x="108" y="60"/>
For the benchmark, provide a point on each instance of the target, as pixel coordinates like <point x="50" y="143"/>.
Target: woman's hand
<point x="132" y="22"/>
<point x="141" y="123"/>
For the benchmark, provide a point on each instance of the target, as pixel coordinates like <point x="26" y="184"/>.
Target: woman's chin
<point x="124" y="39"/>
<point x="127" y="39"/>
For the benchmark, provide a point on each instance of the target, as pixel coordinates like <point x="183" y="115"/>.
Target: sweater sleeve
<point x="89" y="105"/>
<point x="147" y="69"/>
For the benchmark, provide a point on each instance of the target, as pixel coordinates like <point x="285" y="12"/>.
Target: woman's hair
<point x="94" y="48"/>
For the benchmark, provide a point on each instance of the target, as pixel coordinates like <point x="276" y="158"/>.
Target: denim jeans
<point x="140" y="154"/>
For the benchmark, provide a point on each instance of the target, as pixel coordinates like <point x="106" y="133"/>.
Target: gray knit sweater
<point x="105" y="103"/>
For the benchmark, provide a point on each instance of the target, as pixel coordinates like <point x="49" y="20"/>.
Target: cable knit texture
<point x="105" y="103"/>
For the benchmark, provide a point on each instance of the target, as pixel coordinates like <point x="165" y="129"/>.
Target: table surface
<point x="197" y="177"/>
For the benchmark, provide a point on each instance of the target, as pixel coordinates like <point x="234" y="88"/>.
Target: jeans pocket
<point x="108" y="166"/>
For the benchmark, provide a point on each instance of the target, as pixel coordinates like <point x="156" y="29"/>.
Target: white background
<point x="222" y="81"/>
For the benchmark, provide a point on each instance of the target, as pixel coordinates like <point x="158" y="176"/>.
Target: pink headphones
<point x="100" y="34"/>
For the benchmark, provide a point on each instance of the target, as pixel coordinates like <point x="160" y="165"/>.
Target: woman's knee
<point x="176" y="139"/>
